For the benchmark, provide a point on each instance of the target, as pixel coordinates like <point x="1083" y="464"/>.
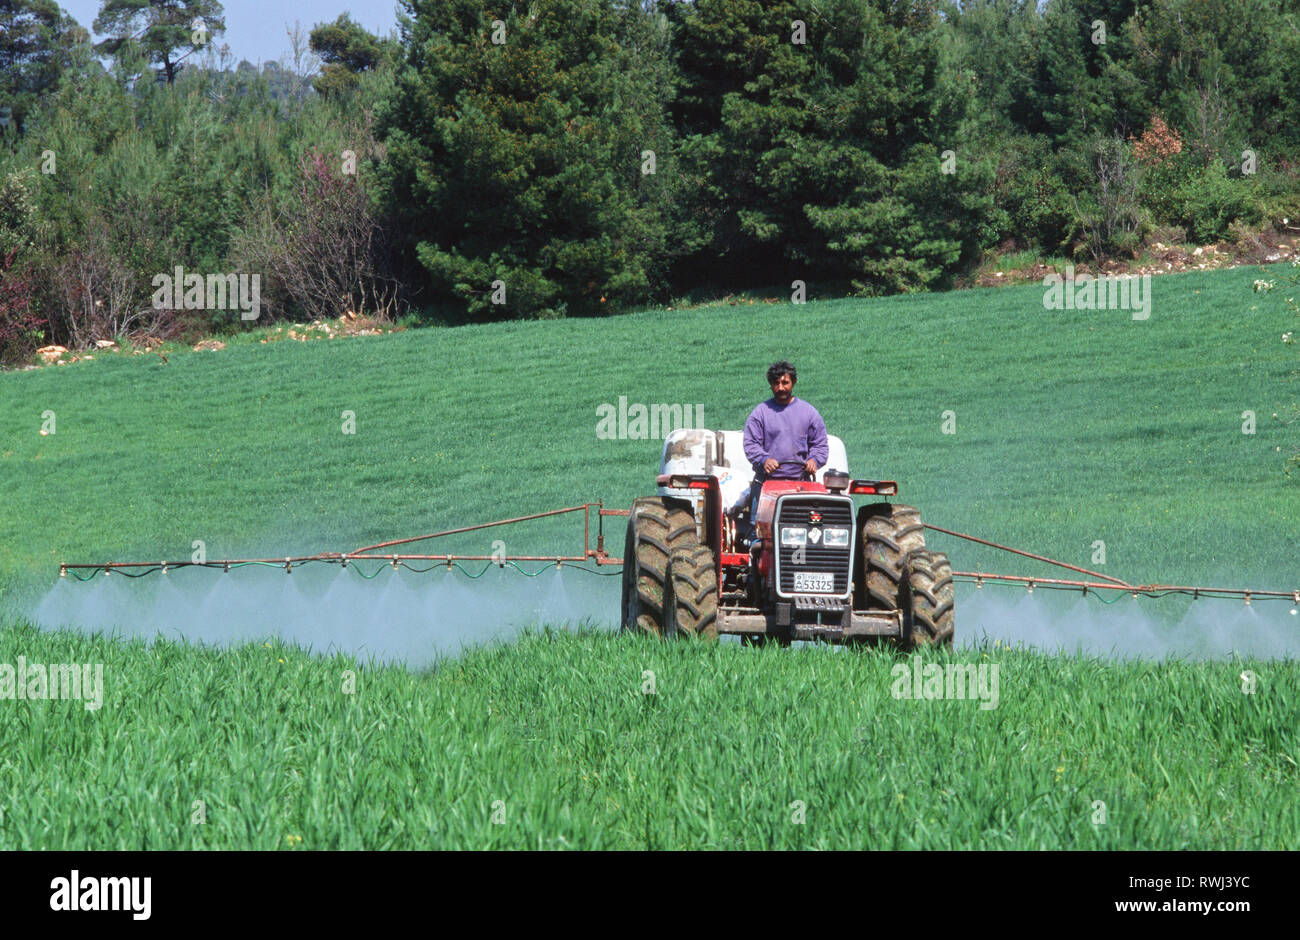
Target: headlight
<point x="836" y="538"/>
<point x="792" y="536"/>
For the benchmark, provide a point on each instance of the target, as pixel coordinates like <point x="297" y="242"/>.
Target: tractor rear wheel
<point x="890" y="535"/>
<point x="656" y="528"/>
<point x="928" y="618"/>
<point x="693" y="578"/>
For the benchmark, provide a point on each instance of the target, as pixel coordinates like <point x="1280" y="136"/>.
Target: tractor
<point x="810" y="566"/>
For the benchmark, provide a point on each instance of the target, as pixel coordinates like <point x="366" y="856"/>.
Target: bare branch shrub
<point x="93" y="294"/>
<point x="323" y="251"/>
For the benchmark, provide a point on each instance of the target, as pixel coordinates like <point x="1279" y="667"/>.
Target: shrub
<point x="1030" y="195"/>
<point x="21" y="326"/>
<point x="21" y="231"/>
<point x="1158" y="144"/>
<point x="1179" y="190"/>
<point x="1162" y="189"/>
<point x="1167" y="235"/>
<point x="321" y="248"/>
<point x="94" y="293"/>
<point x="1110" y="216"/>
<point x="1277" y="186"/>
<point x="1210" y="202"/>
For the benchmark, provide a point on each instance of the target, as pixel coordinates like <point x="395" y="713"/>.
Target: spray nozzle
<point x="63" y="571"/>
<point x="1030" y="589"/>
<point x="288" y="566"/>
<point x="1247" y="598"/>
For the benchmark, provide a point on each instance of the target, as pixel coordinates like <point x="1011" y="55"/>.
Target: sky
<point x="255" y="29"/>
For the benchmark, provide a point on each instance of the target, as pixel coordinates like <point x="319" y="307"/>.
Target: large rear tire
<point x="929" y="618"/>
<point x="693" y="576"/>
<point x="656" y="528"/>
<point x="890" y="535"/>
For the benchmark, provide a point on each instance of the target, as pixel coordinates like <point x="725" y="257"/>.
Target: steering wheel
<point x="795" y="463"/>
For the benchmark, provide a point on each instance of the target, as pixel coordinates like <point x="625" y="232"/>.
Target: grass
<point x="558" y="730"/>
<point x="1071" y="427"/>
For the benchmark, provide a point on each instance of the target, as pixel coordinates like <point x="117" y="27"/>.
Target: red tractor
<point x="811" y="566"/>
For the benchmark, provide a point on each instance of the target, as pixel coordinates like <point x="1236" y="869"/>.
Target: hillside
<point x="1070" y="427"/>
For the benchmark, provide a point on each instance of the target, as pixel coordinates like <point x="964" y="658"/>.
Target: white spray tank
<point x="722" y="454"/>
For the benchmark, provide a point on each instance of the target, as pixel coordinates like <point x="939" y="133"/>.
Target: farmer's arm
<point x="818" y="446"/>
<point x="754" y="444"/>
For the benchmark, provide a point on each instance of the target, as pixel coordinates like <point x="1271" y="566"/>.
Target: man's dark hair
<point x="778" y="369"/>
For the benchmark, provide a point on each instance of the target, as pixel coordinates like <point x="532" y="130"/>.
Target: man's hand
<point x="770" y="464"/>
<point x="811" y="467"/>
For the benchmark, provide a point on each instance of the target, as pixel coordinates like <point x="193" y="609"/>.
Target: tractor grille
<point x="837" y="561"/>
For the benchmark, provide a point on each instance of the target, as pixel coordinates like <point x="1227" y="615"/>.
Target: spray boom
<point x="1097" y="581"/>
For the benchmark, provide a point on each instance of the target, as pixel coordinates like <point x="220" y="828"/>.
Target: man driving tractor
<point x="785" y="437"/>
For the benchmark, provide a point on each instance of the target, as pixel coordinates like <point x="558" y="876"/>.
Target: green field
<point x="1071" y="427"/>
<point x="558" y="729"/>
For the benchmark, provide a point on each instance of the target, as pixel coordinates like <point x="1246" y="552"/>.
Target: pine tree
<point x="166" y="31"/>
<point x="517" y="146"/>
<point x="33" y="35"/>
<point x="819" y="132"/>
<point x="347" y="50"/>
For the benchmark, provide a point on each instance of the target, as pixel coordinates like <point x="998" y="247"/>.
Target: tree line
<point x="553" y="158"/>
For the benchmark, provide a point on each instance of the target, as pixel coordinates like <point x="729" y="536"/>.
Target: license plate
<point x="816" y="582"/>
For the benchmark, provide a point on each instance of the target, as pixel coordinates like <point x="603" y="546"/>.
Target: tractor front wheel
<point x="929" y="615"/>
<point x="890" y="536"/>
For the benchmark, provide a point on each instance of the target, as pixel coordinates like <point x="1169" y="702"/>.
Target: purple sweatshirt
<point x="787" y="432"/>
